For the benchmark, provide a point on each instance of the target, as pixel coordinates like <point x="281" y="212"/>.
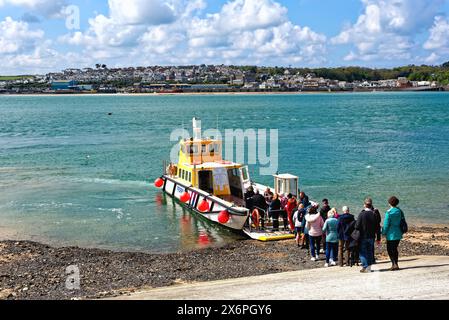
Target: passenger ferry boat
<point x="214" y="188"/>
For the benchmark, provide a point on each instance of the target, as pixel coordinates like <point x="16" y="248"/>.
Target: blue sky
<point x="38" y="36"/>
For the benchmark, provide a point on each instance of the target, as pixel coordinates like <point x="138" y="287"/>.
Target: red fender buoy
<point x="159" y="183"/>
<point x="185" y="197"/>
<point x="223" y="217"/>
<point x="204" y="206"/>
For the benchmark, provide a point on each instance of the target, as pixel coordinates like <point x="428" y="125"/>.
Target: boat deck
<point x="233" y="199"/>
<point x="267" y="234"/>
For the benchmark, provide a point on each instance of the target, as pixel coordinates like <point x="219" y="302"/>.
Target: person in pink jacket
<point x="315" y="225"/>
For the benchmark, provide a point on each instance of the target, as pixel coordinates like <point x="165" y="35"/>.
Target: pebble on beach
<point x="30" y="270"/>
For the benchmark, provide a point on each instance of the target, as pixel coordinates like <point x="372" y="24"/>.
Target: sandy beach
<point x="30" y="270"/>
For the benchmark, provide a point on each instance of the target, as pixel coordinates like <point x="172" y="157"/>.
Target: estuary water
<point x="71" y="174"/>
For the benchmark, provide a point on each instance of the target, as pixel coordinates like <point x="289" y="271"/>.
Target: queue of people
<point x="343" y="239"/>
<point x="348" y="240"/>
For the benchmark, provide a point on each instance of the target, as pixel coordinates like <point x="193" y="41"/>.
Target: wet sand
<point x="30" y="270"/>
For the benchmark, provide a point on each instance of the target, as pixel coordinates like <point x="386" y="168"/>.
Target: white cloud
<point x="161" y="40"/>
<point x="438" y="41"/>
<point x="242" y="31"/>
<point x="105" y="32"/>
<point x="432" y="58"/>
<point x="48" y="8"/>
<point x="247" y="15"/>
<point x="247" y="32"/>
<point x="439" y="35"/>
<point x="17" y="38"/>
<point x="387" y="29"/>
<point x="141" y="12"/>
<point x="125" y="24"/>
<point x="23" y="50"/>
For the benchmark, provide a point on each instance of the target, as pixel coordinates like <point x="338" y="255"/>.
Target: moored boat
<point x="214" y="188"/>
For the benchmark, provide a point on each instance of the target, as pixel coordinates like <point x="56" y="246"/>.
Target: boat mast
<point x="196" y="129"/>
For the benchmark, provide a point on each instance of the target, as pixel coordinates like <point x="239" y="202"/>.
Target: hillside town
<point x="197" y="79"/>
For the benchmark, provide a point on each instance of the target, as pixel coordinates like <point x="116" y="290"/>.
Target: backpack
<point x="403" y="225"/>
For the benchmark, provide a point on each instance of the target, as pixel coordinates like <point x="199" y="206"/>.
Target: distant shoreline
<point x="164" y="94"/>
<point x="205" y="93"/>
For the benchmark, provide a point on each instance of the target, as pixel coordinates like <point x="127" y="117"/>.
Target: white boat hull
<point x="238" y="215"/>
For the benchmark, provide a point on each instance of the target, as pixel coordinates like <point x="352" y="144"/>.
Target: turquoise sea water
<point x="342" y="146"/>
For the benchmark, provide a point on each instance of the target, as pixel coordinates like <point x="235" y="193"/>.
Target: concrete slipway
<point x="423" y="277"/>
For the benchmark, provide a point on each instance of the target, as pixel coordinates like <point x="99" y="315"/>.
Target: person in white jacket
<point x="315" y="225"/>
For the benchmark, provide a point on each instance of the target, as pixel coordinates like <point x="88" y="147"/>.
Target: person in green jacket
<point x="392" y="231"/>
<point x="330" y="229"/>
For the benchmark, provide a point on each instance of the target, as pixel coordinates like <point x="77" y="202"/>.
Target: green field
<point x="10" y="78"/>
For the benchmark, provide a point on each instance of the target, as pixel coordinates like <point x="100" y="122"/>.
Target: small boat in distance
<point x="214" y="188"/>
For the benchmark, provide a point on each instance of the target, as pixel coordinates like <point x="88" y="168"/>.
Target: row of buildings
<point x="193" y="79"/>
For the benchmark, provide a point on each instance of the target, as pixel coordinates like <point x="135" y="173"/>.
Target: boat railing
<point x="262" y="216"/>
<point x="235" y="209"/>
<point x="266" y="215"/>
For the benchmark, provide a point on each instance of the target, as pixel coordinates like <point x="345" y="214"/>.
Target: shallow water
<point x="72" y="175"/>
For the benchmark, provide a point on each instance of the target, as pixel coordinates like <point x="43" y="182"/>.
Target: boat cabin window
<point x="203" y="149"/>
<point x="214" y="148"/>
<point x="286" y="185"/>
<point x="185" y="175"/>
<point x="293" y="187"/>
<point x="192" y="149"/>
<point x="245" y="173"/>
<point x="280" y="186"/>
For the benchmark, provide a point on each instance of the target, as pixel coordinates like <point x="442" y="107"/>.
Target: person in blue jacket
<point x="392" y="231"/>
<point x="344" y="222"/>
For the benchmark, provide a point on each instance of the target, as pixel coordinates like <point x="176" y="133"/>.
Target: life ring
<point x="255" y="217"/>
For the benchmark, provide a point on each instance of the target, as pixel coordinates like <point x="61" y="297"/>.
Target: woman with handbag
<point x="394" y="228"/>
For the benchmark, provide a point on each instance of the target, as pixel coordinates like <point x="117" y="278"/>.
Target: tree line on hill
<point x="351" y="74"/>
